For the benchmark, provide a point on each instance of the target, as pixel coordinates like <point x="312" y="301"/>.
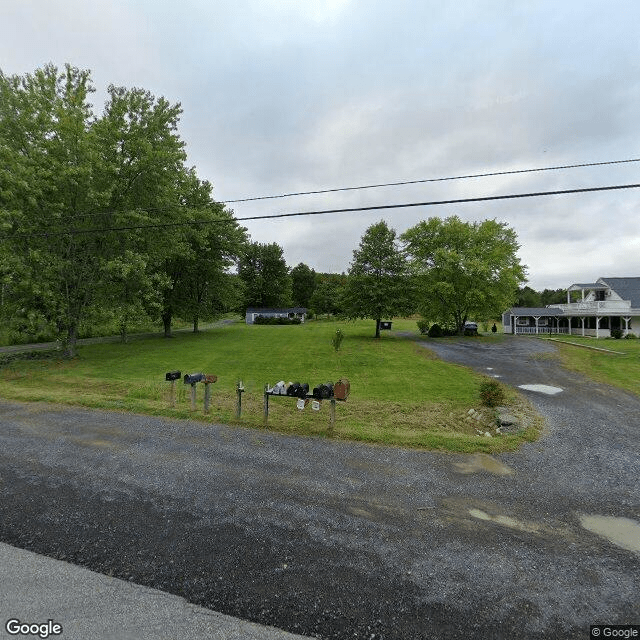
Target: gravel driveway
<point x="344" y="540"/>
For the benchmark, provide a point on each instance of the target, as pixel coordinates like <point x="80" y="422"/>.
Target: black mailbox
<point x="323" y="391"/>
<point x="385" y="326"/>
<point x="298" y="390"/>
<point x="172" y="375"/>
<point x="193" y="378"/>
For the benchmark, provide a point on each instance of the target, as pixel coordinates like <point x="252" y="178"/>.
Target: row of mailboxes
<point x="340" y="390"/>
<point x="190" y="378"/>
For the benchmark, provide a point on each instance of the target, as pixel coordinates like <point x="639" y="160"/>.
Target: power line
<point x="431" y="203"/>
<point x="406" y="182"/>
<point x="136" y="210"/>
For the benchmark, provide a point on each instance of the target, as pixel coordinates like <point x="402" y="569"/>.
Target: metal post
<point x="239" y="389"/>
<point x="266" y="404"/>
<point x="172" y="394"/>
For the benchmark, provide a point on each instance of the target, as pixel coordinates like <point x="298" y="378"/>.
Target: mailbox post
<point x="193" y="379"/>
<point x="208" y="380"/>
<point x="172" y="376"/>
<point x="239" y="391"/>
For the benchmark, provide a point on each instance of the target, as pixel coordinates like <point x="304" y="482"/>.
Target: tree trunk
<point x="377" y="327"/>
<point x="166" y="321"/>
<point x="195" y="324"/>
<point x="70" y="342"/>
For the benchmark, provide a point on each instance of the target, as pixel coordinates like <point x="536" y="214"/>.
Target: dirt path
<point x="342" y="540"/>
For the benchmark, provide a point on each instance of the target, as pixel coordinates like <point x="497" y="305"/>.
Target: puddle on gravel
<point x="505" y="521"/>
<point x="623" y="532"/>
<point x="483" y="462"/>
<point x="541" y="388"/>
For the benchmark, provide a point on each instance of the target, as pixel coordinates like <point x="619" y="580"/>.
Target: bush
<point x="435" y="331"/>
<point x="423" y="326"/>
<point x="337" y="339"/>
<point x="491" y="393"/>
<point x="631" y="336"/>
<point x="616" y="333"/>
<point x="275" y="320"/>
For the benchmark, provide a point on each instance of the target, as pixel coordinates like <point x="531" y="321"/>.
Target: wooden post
<point x="193" y="397"/>
<point x="332" y="418"/>
<point x="172" y="394"/>
<point x="207" y="396"/>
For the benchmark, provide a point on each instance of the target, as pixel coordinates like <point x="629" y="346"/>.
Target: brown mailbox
<point x="341" y="389"/>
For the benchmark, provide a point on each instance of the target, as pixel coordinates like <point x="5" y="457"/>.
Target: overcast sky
<point x="284" y="96"/>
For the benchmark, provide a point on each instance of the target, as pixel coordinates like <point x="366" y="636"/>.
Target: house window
<point x="600" y="296"/>
<point x="522" y="321"/>
<point x="543" y="322"/>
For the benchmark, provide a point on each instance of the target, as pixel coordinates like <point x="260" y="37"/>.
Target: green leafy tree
<point x="527" y="297"/>
<point x="303" y="280"/>
<point x="88" y="204"/>
<point x="553" y="296"/>
<point x="463" y="269"/>
<point x="199" y="283"/>
<point x="328" y="296"/>
<point x="47" y="186"/>
<point x="379" y="284"/>
<point x="265" y="276"/>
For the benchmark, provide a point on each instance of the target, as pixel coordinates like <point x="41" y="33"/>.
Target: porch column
<point x="582" y="320"/>
<point x="598" y="318"/>
<point x="569" y="318"/>
<point x="626" y="324"/>
<point x="536" y="318"/>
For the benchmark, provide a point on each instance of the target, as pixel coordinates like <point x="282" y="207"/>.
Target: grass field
<point x="621" y="369"/>
<point x="400" y="393"/>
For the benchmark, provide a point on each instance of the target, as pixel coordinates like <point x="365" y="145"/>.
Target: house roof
<point x="276" y="310"/>
<point x="626" y="288"/>
<point x="598" y="286"/>
<point x="535" y="311"/>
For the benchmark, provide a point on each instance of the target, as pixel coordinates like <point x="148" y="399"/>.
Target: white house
<point x="291" y="312"/>
<point x="608" y="303"/>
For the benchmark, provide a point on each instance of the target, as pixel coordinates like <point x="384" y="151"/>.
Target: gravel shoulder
<point x="344" y="540"/>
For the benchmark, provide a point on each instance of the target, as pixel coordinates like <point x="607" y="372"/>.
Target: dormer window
<point x="599" y="295"/>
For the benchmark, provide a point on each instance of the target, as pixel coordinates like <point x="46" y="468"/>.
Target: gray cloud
<point x="283" y="96"/>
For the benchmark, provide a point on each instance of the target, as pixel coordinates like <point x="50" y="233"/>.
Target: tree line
<point x="100" y="217"/>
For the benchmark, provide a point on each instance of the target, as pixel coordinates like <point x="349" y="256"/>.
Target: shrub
<point x="435" y="331"/>
<point x="616" y="333"/>
<point x="423" y="326"/>
<point x="491" y="393"/>
<point x="337" y="339"/>
<point x="275" y="320"/>
<point x="631" y="336"/>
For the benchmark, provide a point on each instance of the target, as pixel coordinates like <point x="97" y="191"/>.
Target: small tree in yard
<point x="379" y="284"/>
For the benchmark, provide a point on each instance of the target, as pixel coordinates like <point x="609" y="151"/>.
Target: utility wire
<point x="431" y="203"/>
<point x="405" y="182"/>
<point x="143" y="210"/>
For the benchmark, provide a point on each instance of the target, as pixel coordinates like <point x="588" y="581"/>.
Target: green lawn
<point x="400" y="393"/>
<point x="621" y="368"/>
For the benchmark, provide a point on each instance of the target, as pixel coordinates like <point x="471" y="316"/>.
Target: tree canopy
<point x="91" y="205"/>
<point x="303" y="280"/>
<point x="378" y="285"/>
<point x="265" y="276"/>
<point x="463" y="270"/>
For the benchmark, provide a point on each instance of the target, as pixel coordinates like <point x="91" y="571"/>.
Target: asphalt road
<point x="343" y="540"/>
